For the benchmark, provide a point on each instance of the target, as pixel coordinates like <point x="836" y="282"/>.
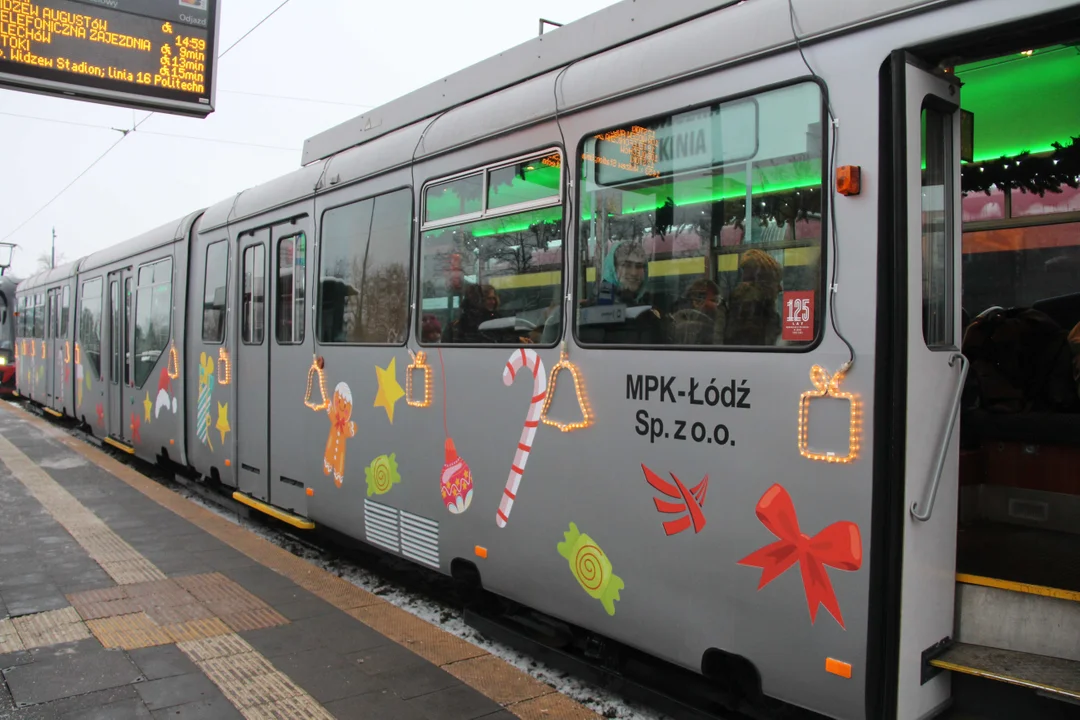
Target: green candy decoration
<point x="381" y="474"/>
<point x="591" y="567"/>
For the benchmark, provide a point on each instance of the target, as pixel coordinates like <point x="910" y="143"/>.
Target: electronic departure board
<point x="149" y="54"/>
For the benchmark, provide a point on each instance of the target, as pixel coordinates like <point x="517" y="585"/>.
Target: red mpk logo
<point x="692" y="500"/>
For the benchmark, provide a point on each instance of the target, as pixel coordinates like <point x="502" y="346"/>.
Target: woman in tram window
<point x="753" y="317"/>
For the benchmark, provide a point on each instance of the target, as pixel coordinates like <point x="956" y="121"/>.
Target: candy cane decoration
<point x="531" y="361"/>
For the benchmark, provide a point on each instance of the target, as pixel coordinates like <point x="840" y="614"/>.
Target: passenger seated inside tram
<point x="752" y="315"/>
<point x="624" y="278"/>
<point x="700" y="318"/>
<point x="475" y="310"/>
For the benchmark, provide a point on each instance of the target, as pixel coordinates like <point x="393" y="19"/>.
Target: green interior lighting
<point x="1022" y="102"/>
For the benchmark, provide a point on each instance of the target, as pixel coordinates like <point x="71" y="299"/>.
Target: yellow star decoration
<point x="147" y="404"/>
<point x="389" y="390"/>
<point x="222" y="420"/>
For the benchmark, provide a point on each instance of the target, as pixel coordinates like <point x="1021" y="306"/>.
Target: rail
<point x="944" y="450"/>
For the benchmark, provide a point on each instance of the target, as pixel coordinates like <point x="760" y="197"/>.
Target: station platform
<point x="122" y="599"/>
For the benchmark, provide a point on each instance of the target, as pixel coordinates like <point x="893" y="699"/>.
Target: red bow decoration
<point x="692" y="499"/>
<point x="838" y="545"/>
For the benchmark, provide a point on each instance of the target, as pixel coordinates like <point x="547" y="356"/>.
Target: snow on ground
<point x="603" y="702"/>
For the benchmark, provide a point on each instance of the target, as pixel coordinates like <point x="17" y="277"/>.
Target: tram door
<point x="59" y="358"/>
<point x="927" y="119"/>
<point x="120" y="402"/>
<point x="253" y="369"/>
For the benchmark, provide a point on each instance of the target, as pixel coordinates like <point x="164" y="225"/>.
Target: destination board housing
<point x="150" y="54"/>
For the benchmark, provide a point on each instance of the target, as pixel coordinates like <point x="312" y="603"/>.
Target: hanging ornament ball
<point x="456" y="482"/>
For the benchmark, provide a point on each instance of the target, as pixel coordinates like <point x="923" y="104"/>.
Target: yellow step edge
<point x="120" y="446"/>
<point x="54" y="413"/>
<point x="1018" y="587"/>
<point x="989" y="675"/>
<point x="294" y="520"/>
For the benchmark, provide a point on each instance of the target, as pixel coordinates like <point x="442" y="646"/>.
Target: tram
<point x="734" y="340"/>
<point x="8" y="321"/>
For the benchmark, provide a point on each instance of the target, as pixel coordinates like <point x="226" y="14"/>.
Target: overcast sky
<point x="336" y="57"/>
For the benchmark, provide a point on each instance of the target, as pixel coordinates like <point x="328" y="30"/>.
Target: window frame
<point x="202" y="305"/>
<point x="152" y="286"/>
<point x="828" y="193"/>
<point x="260" y="245"/>
<point x="316" y="276"/>
<point x="485" y="172"/>
<point x="567" y="228"/>
<point x="277" y="280"/>
<point x="65" y="310"/>
<point x="80" y="304"/>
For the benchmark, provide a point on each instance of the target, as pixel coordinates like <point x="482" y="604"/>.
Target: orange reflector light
<point x="310" y="492"/>
<point x="838" y="667"/>
<point x="848" y="179"/>
<point x="228" y="462"/>
<point x="172" y="442"/>
<point x="481" y="551"/>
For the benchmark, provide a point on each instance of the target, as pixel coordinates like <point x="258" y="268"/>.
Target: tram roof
<point x="593" y="34"/>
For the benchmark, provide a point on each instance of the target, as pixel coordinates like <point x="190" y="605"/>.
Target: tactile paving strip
<point x="50" y="628"/>
<point x="172" y="610"/>
<point x="249" y="680"/>
<point x="129" y="632"/>
<point x="9" y="638"/>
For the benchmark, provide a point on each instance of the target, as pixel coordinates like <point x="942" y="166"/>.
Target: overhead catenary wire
<point x="150" y="132"/>
<point x="134" y="128"/>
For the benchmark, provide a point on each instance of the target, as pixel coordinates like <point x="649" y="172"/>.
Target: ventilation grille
<point x="414" y="536"/>
<point x="420" y="539"/>
<point x="381" y="525"/>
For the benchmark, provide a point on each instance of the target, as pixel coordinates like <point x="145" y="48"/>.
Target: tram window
<point x="364" y="270"/>
<point x="291" y="266"/>
<point x="254" y="295"/>
<point x="153" y="317"/>
<point x="39" y="315"/>
<point x="937" y="229"/>
<point x="493" y="281"/>
<point x="65" y="312"/>
<point x="90" y="324"/>
<point x="704" y="227"/>
<point x="527" y="182"/>
<point x="115" y="331"/>
<point x="50" y="314"/>
<point x="215" y="285"/>
<point x="454" y="198"/>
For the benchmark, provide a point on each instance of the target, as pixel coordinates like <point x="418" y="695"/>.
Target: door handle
<point x="916" y="512"/>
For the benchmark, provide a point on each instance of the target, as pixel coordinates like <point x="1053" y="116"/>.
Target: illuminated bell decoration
<point x="174" y="363"/>
<point x="316" y="369"/>
<point x="224" y="367"/>
<point x="456" y="482"/>
<point x="579" y="388"/>
<point x="419" y="363"/>
<point x="826" y="386"/>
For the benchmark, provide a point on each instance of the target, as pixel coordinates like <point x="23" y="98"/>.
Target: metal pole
<point x="52" y="261"/>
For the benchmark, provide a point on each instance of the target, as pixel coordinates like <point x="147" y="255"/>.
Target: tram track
<point x="537" y="645"/>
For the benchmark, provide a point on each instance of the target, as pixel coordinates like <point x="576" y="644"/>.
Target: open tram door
<point x="983" y="294"/>
<point x="926" y="166"/>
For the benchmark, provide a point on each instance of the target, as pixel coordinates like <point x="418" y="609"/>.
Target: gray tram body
<point x="685" y="595"/>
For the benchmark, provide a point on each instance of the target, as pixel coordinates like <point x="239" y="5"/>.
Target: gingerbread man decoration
<point x="341" y="429"/>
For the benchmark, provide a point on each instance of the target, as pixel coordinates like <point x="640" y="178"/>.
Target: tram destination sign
<point x="149" y="54"/>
